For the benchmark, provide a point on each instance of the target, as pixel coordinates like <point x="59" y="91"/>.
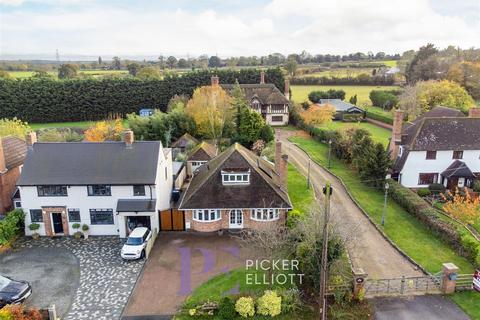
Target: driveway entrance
<point x="180" y="262"/>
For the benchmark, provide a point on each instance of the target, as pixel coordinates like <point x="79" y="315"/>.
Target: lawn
<point x="299" y="194"/>
<point x="405" y="230"/>
<point x="300" y="93"/>
<point x="79" y="124"/>
<point x="378" y="134"/>
<point x="469" y="301"/>
<point x="28" y="74"/>
<point x="380" y="114"/>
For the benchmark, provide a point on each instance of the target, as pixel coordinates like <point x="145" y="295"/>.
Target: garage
<point x="172" y="220"/>
<point x="133" y="213"/>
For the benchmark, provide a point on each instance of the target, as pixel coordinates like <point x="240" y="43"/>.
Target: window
<point x="166" y="173"/>
<point x="458" y="154"/>
<point x="229" y="177"/>
<point x="278" y="109"/>
<point x="206" y="215"/>
<point x="99" y="190"/>
<point x="198" y="163"/>
<point x="101" y="216"/>
<point x="139" y="190"/>
<point x="265" y="214"/>
<point x="431" y="155"/>
<point x="52" y="191"/>
<point x="36" y="215"/>
<point x="18" y="204"/>
<point x="74" y="215"/>
<point x="427" y="178"/>
<point x="277" y="118"/>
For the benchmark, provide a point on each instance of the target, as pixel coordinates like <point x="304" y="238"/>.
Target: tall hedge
<point x="44" y="100"/>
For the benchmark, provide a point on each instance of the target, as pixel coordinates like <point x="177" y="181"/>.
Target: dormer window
<point x="235" y="176"/>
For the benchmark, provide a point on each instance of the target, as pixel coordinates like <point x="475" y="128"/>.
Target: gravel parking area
<point x="99" y="281"/>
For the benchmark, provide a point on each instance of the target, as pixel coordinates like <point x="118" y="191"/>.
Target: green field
<point x="300" y="93"/>
<point x="79" y="124"/>
<point x="378" y="134"/>
<point x="340" y="72"/>
<point x="28" y="74"/>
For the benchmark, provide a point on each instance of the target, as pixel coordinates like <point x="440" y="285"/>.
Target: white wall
<point x="164" y="185"/>
<point x="269" y="121"/>
<point x="416" y="164"/>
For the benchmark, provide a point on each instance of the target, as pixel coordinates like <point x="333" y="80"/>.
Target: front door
<point x="57" y="222"/>
<point x="236" y="219"/>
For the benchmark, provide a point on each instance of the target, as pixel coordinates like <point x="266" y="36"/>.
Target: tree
<point x="100" y="61"/>
<point x="116" y="64"/>
<point x="67" y="71"/>
<point x="291" y="66"/>
<point x="249" y="129"/>
<point x="462" y="206"/>
<point x="149" y="73"/>
<point x="14" y="127"/>
<point x="211" y="109"/>
<point x="214" y="62"/>
<point x="423" y="66"/>
<point x="318" y="115"/>
<point x="353" y="100"/>
<point x="443" y="93"/>
<point x="133" y="68"/>
<point x="177" y="102"/>
<point x="466" y="74"/>
<point x="373" y="162"/>
<point x="161" y="62"/>
<point x="171" y="62"/>
<point x="182" y="63"/>
<point x="105" y="131"/>
<point x="386" y="99"/>
<point x="315" y="96"/>
<point x="4" y="74"/>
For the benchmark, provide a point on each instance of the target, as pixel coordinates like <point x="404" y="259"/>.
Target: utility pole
<point x="329" y="151"/>
<point x="327" y="191"/>
<point x="308" y="175"/>
<point x="385" y="203"/>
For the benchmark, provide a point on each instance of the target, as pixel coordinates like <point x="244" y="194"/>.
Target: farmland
<point x="28" y="74"/>
<point x="300" y="93"/>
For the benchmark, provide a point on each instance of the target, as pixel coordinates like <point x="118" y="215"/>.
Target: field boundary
<point x="379" y="123"/>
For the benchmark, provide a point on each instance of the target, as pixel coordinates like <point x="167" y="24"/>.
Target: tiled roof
<point x="267" y="93"/>
<point x="14" y="150"/>
<point x="458" y="169"/>
<point x="136" y="205"/>
<point x="202" y="152"/>
<point x="183" y="141"/>
<point x="339" y="105"/>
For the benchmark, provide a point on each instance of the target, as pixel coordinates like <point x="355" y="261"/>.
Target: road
<point x="367" y="248"/>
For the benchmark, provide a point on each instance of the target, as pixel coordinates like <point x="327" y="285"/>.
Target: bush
<point x="471" y="245"/>
<point x="34" y="226"/>
<point x="315" y="96"/>
<point x="270" y="304"/>
<point x="424" y="192"/>
<point x="76" y="225"/>
<point x="226" y="309"/>
<point x="354" y="117"/>
<point x="292" y="217"/>
<point x="387" y="99"/>
<point x="17" y="312"/>
<point x="379" y="117"/>
<point x="436" y="188"/>
<point x="291" y="301"/>
<point x="11" y="225"/>
<point x="476" y="186"/>
<point x="245" y="307"/>
<point x="85" y="227"/>
<point x="267" y="133"/>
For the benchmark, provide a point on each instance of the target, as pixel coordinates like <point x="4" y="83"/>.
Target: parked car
<point x="135" y="247"/>
<point x="12" y="291"/>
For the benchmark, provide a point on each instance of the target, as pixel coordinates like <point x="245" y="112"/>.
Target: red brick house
<point x="12" y="154"/>
<point x="237" y="190"/>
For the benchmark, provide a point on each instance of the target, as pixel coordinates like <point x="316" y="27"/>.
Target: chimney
<point x="474" y="113"/>
<point x="129" y="138"/>
<point x="31" y="139"/>
<point x="281" y="162"/>
<point x="396" y="139"/>
<point x="262" y="77"/>
<point x="215" y="81"/>
<point x="287" y="89"/>
<point x="3" y="165"/>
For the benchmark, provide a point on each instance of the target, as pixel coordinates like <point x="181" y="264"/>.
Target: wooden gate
<point x="172" y="220"/>
<point x="403" y="286"/>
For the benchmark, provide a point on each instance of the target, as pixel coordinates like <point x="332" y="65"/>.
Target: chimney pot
<point x="129" y="138"/>
<point x="215" y="81"/>
<point x="287" y="89"/>
<point x="262" y="77"/>
<point x="474" y="112"/>
<point x="31" y="138"/>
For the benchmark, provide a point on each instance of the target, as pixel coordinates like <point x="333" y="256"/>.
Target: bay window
<point x="206" y="215"/>
<point x="265" y="214"/>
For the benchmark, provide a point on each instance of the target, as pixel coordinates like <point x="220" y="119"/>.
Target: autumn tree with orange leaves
<point x="110" y="130"/>
<point x="462" y="206"/>
<point x="318" y="114"/>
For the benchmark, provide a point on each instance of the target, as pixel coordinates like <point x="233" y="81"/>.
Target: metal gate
<point x="403" y="286"/>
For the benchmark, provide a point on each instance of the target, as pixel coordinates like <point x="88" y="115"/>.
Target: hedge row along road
<point x="39" y="101"/>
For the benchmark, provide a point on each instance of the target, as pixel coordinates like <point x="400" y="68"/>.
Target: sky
<point x="232" y="27"/>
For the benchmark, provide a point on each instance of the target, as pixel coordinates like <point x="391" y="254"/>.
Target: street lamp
<point x="329" y="151"/>
<point x="385" y="203"/>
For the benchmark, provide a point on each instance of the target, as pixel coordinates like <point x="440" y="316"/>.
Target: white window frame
<point x="236" y="178"/>
<point x="201" y="212"/>
<point x="265" y="214"/>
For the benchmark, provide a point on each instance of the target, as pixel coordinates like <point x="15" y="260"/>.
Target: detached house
<point x="200" y="155"/>
<point x="265" y="98"/>
<point x="110" y="186"/>
<point x="342" y="108"/>
<point x="235" y="190"/>
<point x="441" y="146"/>
<point x="12" y="154"/>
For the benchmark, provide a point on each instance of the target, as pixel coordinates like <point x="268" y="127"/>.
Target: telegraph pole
<point x="327" y="191"/>
<point x="329" y="152"/>
<point x="308" y="175"/>
<point x="385" y="204"/>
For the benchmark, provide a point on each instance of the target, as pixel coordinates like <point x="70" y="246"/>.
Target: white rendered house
<point x="110" y="186"/>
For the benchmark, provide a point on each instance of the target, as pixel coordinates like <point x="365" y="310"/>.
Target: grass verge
<point x="469" y="301"/>
<point x="299" y="194"/>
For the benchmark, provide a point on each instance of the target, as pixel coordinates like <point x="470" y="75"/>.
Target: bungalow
<point x="184" y="142"/>
<point x="12" y="154"/>
<point x="235" y="190"/>
<point x="200" y="155"/>
<point x="441" y="146"/>
<point x="110" y="186"/>
<point x="342" y="108"/>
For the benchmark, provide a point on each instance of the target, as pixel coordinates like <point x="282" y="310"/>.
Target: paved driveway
<point x="162" y="287"/>
<point x="434" y="307"/>
<point x="87" y="279"/>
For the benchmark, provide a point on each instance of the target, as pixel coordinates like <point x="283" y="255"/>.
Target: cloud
<point x="286" y="26"/>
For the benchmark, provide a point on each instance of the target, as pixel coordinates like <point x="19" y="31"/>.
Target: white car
<point x="136" y="244"/>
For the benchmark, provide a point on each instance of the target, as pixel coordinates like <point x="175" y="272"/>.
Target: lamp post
<point x="385" y="203"/>
<point x="327" y="191"/>
<point x="308" y="175"/>
<point x="329" y="151"/>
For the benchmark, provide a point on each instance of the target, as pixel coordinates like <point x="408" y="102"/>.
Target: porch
<point x="457" y="175"/>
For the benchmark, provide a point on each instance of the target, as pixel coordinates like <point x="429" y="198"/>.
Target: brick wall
<point x="47" y="220"/>
<point x="8" y="182"/>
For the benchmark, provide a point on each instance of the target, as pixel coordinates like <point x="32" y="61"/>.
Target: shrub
<point x="437" y="188"/>
<point x="379" y="117"/>
<point x="355" y="117"/>
<point x="267" y="134"/>
<point x="34" y="226"/>
<point x="76" y="225"/>
<point x="386" y="99"/>
<point x="476" y="186"/>
<point x="85" y="227"/>
<point x="245" y="307"/>
<point x="226" y="309"/>
<point x="18" y="312"/>
<point x="270" y="304"/>
<point x="291" y="301"/>
<point x="11" y="225"/>
<point x="424" y="192"/>
<point x="315" y="96"/>
<point x="292" y="217"/>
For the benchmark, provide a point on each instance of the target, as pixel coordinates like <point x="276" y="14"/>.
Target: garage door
<point x="172" y="220"/>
